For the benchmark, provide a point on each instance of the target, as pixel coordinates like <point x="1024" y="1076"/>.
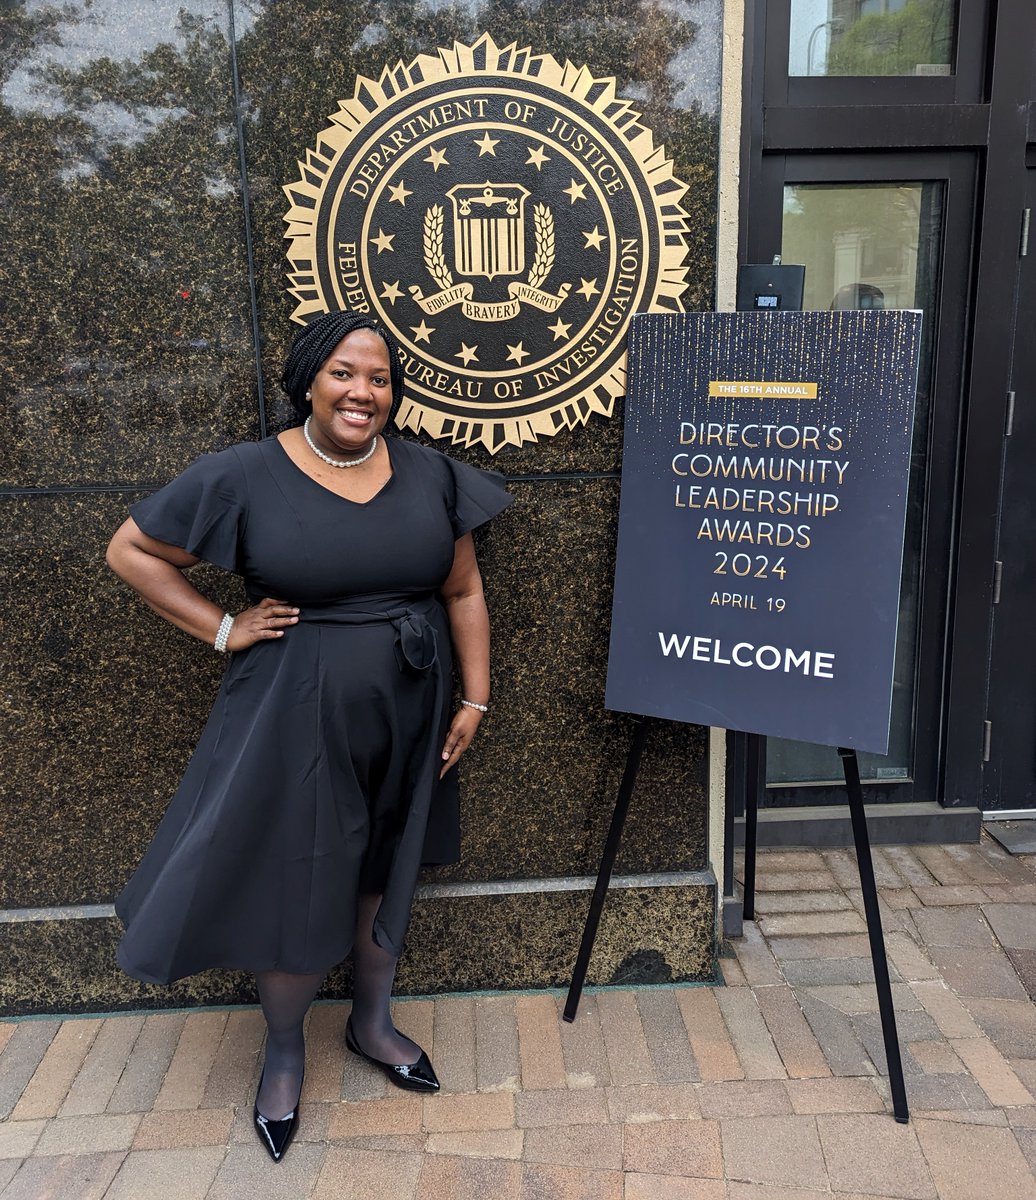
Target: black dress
<point x="316" y="776"/>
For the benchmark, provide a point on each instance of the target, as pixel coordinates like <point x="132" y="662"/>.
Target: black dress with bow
<point x="316" y="777"/>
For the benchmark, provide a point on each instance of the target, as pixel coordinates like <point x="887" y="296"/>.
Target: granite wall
<point x="145" y="324"/>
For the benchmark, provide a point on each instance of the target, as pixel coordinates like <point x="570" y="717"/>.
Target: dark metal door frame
<point x="981" y="122"/>
<point x="1011" y="145"/>
<point x="1009" y="752"/>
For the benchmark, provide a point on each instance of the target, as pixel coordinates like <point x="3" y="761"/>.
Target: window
<point x="871" y="37"/>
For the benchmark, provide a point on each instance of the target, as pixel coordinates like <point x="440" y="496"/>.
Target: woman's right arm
<point x="155" y="569"/>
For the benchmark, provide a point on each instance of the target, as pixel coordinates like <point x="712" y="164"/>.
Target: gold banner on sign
<point x="755" y="387"/>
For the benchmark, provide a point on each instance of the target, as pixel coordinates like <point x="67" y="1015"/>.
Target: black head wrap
<point x="313" y="345"/>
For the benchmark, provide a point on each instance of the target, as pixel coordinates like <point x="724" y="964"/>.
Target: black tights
<point x="286" y="998"/>
<point x="374" y="971"/>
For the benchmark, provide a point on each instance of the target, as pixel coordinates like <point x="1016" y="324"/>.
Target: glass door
<point x="887" y="231"/>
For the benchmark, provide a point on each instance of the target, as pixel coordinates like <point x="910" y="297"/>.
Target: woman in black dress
<point x="324" y="777"/>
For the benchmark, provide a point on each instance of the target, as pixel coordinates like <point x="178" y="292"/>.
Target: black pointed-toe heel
<point x="415" y="1077"/>
<point x="276" y="1135"/>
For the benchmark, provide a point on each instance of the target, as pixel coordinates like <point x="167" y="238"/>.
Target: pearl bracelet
<point x="482" y="708"/>
<point x="220" y="644"/>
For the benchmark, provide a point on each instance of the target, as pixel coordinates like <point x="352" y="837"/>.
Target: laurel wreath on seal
<point x="435" y="259"/>
<point x="543" y="222"/>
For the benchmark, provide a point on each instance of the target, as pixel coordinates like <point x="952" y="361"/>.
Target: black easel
<point x="851" y="767"/>
<point x="754" y="781"/>
<point x="861" y="838"/>
<point x="604" y="874"/>
<point x="752" y="749"/>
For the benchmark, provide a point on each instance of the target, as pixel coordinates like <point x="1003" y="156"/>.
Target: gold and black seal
<point x="504" y="216"/>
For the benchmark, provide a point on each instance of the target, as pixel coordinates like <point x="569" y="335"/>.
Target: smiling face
<point x="351" y="394"/>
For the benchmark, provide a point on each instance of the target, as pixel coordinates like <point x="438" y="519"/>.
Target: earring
<point x="309" y="395"/>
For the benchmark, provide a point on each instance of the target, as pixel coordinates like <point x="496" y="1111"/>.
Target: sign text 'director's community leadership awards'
<point x="764" y="487"/>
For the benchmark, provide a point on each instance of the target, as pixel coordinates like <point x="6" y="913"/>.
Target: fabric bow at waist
<point x="415" y="635"/>
<point x="415" y="621"/>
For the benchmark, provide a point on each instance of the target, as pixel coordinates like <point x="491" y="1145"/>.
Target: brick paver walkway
<point x="768" y="1088"/>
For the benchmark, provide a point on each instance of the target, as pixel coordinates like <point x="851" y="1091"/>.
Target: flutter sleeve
<point x="475" y="496"/>
<point x="202" y="510"/>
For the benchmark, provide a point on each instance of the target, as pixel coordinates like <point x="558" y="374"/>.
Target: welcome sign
<point x="764" y="489"/>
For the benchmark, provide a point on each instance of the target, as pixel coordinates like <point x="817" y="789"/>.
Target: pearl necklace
<point x="334" y="462"/>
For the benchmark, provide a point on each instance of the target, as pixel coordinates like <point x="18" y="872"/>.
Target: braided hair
<point x="313" y="345"/>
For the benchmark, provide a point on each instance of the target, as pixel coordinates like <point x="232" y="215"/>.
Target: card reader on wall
<point x="770" y="288"/>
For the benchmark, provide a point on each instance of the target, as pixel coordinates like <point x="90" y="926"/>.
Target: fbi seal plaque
<point x="504" y="215"/>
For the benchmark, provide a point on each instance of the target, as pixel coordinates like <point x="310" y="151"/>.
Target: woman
<point x="324" y="776"/>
